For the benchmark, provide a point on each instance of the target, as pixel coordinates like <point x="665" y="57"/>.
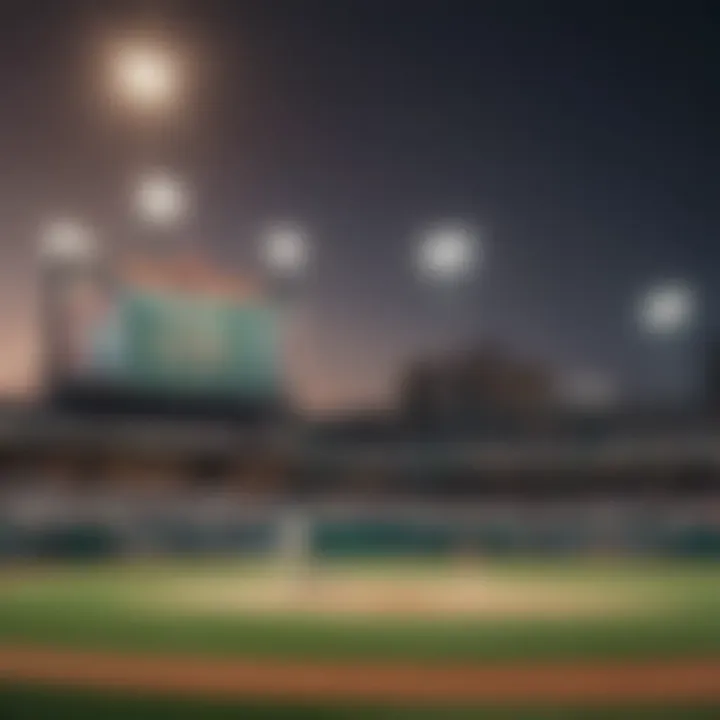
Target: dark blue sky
<point x="581" y="137"/>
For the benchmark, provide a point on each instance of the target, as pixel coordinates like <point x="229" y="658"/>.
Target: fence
<point x="52" y="526"/>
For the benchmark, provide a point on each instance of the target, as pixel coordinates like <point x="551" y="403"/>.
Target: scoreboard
<point x="178" y="341"/>
<point x="199" y="344"/>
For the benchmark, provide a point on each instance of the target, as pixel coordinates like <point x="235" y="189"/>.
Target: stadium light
<point x="668" y="312"/>
<point x="448" y="254"/>
<point x="67" y="240"/>
<point x="668" y="309"/>
<point x="147" y="76"/>
<point x="589" y="390"/>
<point x="285" y="251"/>
<point x="161" y="199"/>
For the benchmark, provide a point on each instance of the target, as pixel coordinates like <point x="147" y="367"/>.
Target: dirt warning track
<point x="577" y="683"/>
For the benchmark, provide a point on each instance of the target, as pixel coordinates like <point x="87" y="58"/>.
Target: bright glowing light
<point x="285" y="251"/>
<point x="448" y="254"/>
<point x="668" y="308"/>
<point x="147" y="76"/>
<point x="66" y="240"/>
<point x="161" y="199"/>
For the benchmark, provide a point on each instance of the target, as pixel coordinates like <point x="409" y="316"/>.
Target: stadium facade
<point x="164" y="417"/>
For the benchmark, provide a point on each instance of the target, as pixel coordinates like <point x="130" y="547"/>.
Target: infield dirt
<point x="607" y="683"/>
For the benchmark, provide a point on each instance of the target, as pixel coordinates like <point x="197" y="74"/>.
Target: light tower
<point x="446" y="259"/>
<point x="666" y="315"/>
<point x="69" y="259"/>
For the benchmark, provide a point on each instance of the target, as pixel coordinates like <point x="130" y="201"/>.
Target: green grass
<point x="25" y="703"/>
<point x="96" y="607"/>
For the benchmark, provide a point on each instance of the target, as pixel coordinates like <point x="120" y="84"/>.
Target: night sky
<point x="581" y="138"/>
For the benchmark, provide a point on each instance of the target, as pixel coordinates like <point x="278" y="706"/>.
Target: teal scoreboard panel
<point x="184" y="344"/>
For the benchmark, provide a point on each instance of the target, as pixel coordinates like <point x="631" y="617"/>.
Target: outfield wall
<point x="36" y="525"/>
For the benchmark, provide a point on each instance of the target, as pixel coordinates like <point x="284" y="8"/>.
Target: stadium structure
<point x="164" y="413"/>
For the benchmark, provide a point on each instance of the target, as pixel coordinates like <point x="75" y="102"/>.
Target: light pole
<point x="70" y="262"/>
<point x="446" y="258"/>
<point x="285" y="255"/>
<point x="667" y="314"/>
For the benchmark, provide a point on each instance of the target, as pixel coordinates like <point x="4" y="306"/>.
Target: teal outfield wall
<point x="351" y="538"/>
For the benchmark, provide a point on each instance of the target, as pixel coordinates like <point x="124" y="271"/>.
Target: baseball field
<point x="460" y="638"/>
